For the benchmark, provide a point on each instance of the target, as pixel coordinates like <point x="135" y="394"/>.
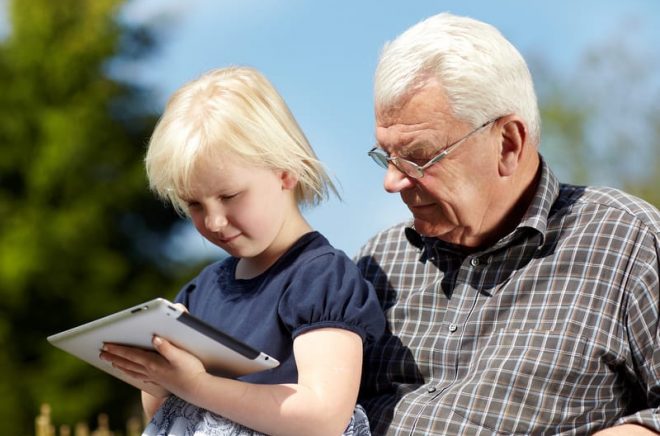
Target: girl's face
<point x="242" y="208"/>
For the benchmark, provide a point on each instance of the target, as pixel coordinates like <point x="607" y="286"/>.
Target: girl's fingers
<point x="129" y="353"/>
<point x="165" y="348"/>
<point x="127" y="366"/>
<point x="134" y="374"/>
<point x="118" y="362"/>
<point x="181" y="306"/>
<point x="128" y="359"/>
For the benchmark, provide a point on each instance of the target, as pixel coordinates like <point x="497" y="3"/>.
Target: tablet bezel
<point x="220" y="353"/>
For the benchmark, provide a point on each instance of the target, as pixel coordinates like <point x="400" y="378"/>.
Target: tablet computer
<point x="220" y="353"/>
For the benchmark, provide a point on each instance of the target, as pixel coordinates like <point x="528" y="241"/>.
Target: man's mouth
<point x="419" y="207"/>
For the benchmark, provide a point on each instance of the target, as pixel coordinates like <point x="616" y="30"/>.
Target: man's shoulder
<point x="385" y="249"/>
<point x="394" y="235"/>
<point x="610" y="201"/>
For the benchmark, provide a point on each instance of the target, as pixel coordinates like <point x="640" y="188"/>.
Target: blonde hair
<point x="231" y="111"/>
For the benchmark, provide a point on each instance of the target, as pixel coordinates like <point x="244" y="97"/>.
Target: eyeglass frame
<point x="383" y="160"/>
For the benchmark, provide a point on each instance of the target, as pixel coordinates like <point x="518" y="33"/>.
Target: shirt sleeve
<point x="329" y="291"/>
<point x="643" y="327"/>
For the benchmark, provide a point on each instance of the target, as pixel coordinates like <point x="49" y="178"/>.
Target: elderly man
<point x="515" y="303"/>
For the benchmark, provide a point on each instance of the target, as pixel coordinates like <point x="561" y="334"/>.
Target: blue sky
<point x="321" y="56"/>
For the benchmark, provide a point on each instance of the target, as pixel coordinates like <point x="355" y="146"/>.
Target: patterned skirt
<point x="180" y="418"/>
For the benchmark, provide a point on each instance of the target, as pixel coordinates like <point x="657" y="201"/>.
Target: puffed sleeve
<point x="329" y="291"/>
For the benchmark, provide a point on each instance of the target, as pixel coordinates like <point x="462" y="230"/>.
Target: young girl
<point x="228" y="153"/>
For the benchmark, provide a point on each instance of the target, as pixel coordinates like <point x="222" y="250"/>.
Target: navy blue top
<point x="313" y="285"/>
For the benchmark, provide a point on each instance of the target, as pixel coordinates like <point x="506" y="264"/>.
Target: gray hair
<point x="482" y="73"/>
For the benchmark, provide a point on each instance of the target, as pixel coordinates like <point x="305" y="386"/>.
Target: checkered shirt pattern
<point x="552" y="330"/>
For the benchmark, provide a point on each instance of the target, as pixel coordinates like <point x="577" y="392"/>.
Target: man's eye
<point x="416" y="158"/>
<point x="419" y="155"/>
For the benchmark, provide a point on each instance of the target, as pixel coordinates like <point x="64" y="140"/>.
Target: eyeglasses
<point x="411" y="169"/>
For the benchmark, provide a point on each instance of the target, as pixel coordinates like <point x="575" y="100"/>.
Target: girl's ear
<point x="289" y="180"/>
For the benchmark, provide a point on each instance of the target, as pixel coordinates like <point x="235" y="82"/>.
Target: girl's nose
<point x="395" y="181"/>
<point x="214" y="221"/>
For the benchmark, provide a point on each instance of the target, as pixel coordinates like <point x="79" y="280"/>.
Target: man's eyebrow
<point x="425" y="147"/>
<point x="404" y="150"/>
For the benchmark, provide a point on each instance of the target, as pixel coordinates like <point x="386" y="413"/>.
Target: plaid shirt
<point x="553" y="330"/>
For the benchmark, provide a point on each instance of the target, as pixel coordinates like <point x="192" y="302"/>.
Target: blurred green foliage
<point x="601" y="124"/>
<point x="80" y="233"/>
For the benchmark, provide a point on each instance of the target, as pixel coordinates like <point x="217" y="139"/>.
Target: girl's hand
<point x="172" y="368"/>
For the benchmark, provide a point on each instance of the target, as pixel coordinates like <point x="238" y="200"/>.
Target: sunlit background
<point x="81" y="236"/>
<point x="321" y="57"/>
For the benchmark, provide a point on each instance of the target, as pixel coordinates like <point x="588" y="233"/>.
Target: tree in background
<point x="80" y="234"/>
<point x="601" y="123"/>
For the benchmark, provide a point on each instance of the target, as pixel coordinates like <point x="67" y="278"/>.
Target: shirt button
<point x="430" y="390"/>
<point x="453" y="327"/>
<point x="474" y="261"/>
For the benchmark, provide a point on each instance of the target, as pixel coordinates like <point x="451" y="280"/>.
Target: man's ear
<point x="289" y="180"/>
<point x="513" y="140"/>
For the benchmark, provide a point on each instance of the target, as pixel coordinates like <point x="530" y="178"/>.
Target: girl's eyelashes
<point x="194" y="204"/>
<point x="225" y="197"/>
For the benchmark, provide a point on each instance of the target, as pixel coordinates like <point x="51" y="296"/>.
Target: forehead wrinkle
<point x="427" y="108"/>
<point x="405" y="138"/>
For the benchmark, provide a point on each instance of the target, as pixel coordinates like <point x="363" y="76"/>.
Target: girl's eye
<point x="228" y="196"/>
<point x="193" y="205"/>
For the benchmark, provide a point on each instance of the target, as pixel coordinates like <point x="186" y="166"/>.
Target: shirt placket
<point x="449" y="341"/>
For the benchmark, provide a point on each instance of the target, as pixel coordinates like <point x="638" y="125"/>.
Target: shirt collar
<point x="547" y="191"/>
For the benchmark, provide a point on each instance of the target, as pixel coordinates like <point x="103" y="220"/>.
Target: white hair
<point x="483" y="74"/>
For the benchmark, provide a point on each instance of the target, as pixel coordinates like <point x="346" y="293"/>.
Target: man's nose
<point x="395" y="181"/>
